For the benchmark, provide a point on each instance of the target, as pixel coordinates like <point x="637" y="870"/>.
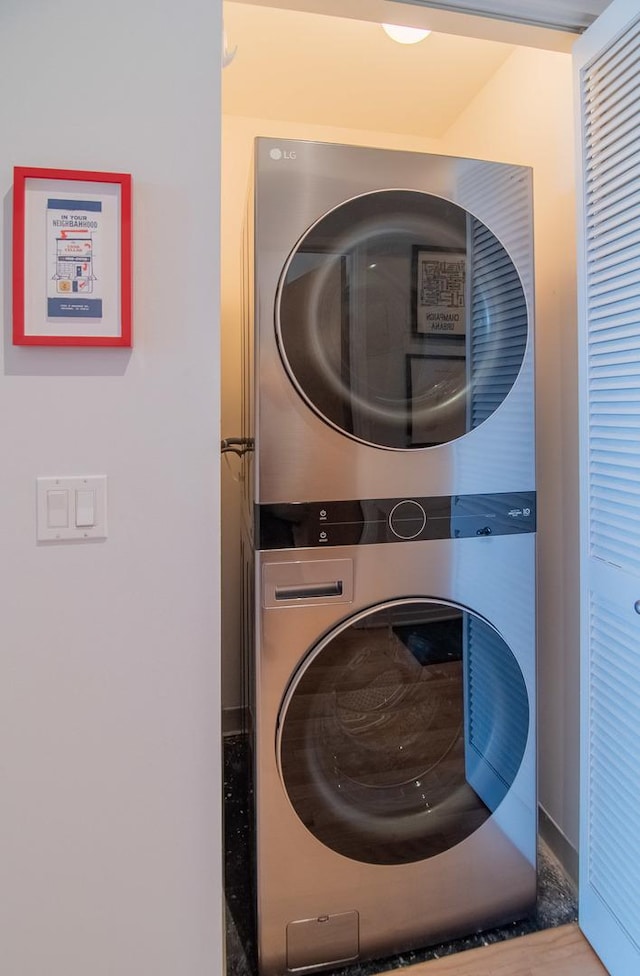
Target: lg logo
<point x="279" y="154"/>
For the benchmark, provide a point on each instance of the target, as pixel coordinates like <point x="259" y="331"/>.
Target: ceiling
<point x="296" y="66"/>
<point x="571" y="15"/>
<point x="551" y="25"/>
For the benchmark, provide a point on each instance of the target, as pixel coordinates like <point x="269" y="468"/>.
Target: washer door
<point x="401" y="320"/>
<point x="402" y="731"/>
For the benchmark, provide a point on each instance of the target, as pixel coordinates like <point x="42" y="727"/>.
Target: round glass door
<point x="402" y="731"/>
<point x="401" y="320"/>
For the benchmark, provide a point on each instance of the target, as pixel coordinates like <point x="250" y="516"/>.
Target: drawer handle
<point x="302" y="591"/>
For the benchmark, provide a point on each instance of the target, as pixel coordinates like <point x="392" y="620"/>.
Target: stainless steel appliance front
<point x="393" y="324"/>
<point x="394" y="747"/>
<point x="391" y="503"/>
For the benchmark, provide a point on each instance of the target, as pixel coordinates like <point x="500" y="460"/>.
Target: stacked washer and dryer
<point x="390" y="546"/>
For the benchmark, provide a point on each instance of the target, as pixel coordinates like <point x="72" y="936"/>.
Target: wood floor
<point x="561" y="951"/>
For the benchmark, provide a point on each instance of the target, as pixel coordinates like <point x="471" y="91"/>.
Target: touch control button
<point x="407" y="519"/>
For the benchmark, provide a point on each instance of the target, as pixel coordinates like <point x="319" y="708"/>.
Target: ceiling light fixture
<point x="405" y="35"/>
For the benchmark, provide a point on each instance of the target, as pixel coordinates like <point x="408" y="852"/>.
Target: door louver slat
<point x="619" y="232"/>
<point x="601" y="108"/>
<point x="614" y="158"/>
<point x="601" y="204"/>
<point x="611" y="281"/>
<point x="609" y="257"/>
<point x="604" y="74"/>
<point x="613" y="143"/>
<point x="625" y="214"/>
<point x="619" y="104"/>
<point x="625" y="172"/>
<point x="605" y="295"/>
<point x="603" y="323"/>
<point x="618" y="270"/>
<point x="618" y="207"/>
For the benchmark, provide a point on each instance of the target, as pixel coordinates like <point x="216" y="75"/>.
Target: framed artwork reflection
<point x="439" y="292"/>
<point x="437" y="398"/>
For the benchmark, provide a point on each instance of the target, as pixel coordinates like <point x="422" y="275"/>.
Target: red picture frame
<point x="71" y="258"/>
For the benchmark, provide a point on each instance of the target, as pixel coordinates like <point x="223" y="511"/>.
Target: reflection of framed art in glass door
<point x="439" y="292"/>
<point x="436" y="398"/>
<point x="71" y="258"/>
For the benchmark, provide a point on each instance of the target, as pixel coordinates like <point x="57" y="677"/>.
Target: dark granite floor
<point x="556" y="895"/>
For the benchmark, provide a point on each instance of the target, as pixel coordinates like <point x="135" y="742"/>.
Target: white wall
<point x="525" y="115"/>
<point x="110" y="782"/>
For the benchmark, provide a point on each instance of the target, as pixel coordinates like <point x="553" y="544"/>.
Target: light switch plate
<point x="48" y="508"/>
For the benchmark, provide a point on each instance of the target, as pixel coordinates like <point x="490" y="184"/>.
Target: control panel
<point x="381" y="520"/>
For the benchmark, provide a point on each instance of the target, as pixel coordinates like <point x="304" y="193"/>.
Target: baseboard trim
<point x="559" y="845"/>
<point x="234" y="720"/>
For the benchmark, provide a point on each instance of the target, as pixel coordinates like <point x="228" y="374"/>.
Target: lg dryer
<point x="392" y="326"/>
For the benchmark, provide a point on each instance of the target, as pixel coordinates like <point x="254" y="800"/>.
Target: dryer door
<point x="401" y="319"/>
<point x="402" y="731"/>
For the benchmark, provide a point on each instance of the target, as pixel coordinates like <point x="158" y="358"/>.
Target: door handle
<point x="303" y="591"/>
<point x="307" y="583"/>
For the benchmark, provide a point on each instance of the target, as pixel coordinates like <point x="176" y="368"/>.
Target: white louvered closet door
<point x="608" y="81"/>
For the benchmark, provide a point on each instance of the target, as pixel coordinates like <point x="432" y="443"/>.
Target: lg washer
<point x="395" y="732"/>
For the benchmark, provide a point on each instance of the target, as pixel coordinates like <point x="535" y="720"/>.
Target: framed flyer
<point x="439" y="292"/>
<point x="71" y="258"/>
